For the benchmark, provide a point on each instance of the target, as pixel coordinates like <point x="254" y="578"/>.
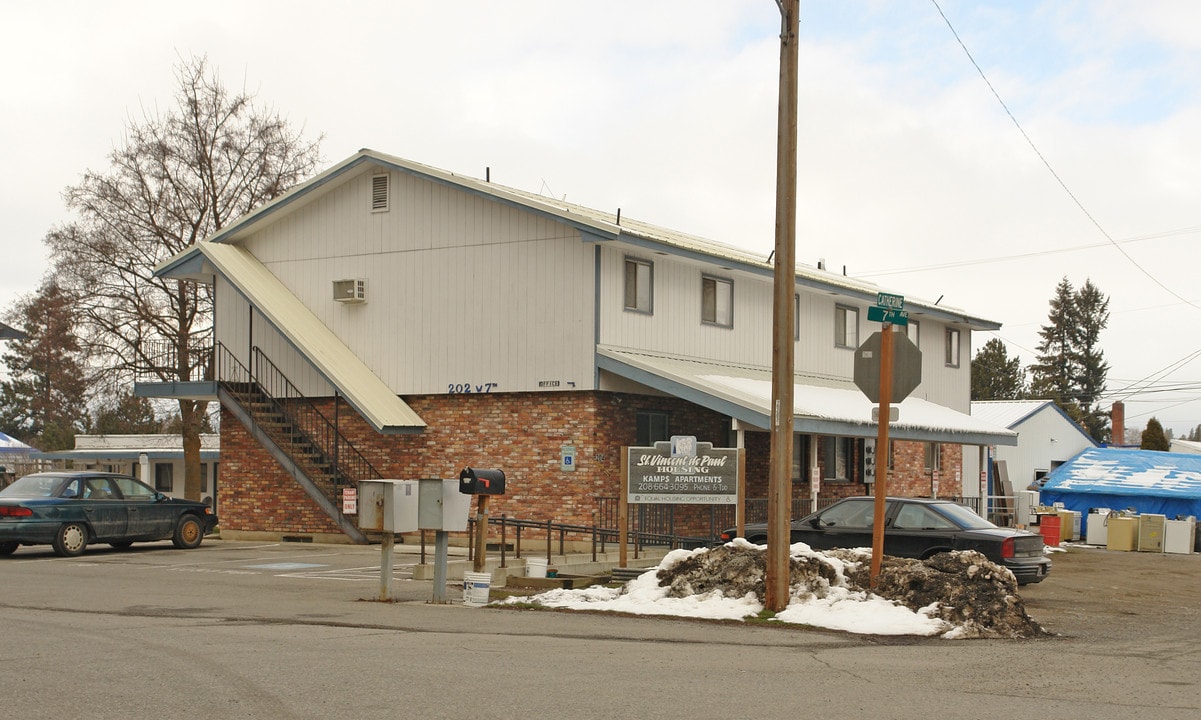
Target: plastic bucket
<point x="475" y="588"/>
<point x="535" y="567"/>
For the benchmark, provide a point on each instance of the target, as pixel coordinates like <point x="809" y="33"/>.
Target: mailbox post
<point x="484" y="483"/>
<point x="390" y="507"/>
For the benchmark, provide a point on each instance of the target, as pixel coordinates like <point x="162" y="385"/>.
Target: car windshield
<point x="34" y="486"/>
<point x="964" y="517"/>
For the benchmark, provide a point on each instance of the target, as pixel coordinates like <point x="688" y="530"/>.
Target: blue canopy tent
<point x="11" y="446"/>
<point x="1148" y="481"/>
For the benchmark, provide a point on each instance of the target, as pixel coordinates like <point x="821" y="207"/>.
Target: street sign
<point x="887" y="315"/>
<point x="906" y="367"/>
<point x="890" y="302"/>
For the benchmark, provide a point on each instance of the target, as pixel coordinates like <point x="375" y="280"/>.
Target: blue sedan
<point x="69" y="510"/>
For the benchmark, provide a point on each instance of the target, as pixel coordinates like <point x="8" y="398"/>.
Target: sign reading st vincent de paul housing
<point x="682" y="471"/>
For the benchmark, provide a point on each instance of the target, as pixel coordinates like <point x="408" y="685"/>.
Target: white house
<point x="398" y="320"/>
<point x="1046" y="438"/>
<point x="1185" y="446"/>
<point x="155" y="459"/>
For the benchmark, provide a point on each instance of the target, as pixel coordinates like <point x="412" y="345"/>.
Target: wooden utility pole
<point x="882" y="450"/>
<point x="779" y="489"/>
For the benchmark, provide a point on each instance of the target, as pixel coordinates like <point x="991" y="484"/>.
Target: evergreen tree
<point x="128" y="414"/>
<point x="996" y="376"/>
<point x="43" y="401"/>
<point x="1154" y="437"/>
<point x="1090" y="315"/>
<point x="1052" y="373"/>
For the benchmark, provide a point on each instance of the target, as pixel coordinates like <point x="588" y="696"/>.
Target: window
<point x="919" y="517"/>
<point x="133" y="490"/>
<point x="163" y="480"/>
<point x="846" y="327"/>
<point x="796" y="318"/>
<point x="717" y="301"/>
<point x="836" y="454"/>
<point x="800" y="458"/>
<point x="204" y="477"/>
<point x="911" y="332"/>
<point x="952" y="347"/>
<point x="651" y="428"/>
<point x="933" y="456"/>
<point x="640" y="284"/>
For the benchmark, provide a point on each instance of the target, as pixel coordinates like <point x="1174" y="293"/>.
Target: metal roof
<point x="596" y="225"/>
<point x="821" y="406"/>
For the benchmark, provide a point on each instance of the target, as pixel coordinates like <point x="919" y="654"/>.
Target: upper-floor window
<point x="717" y="301"/>
<point x="796" y="318"/>
<point x="952" y="347"/>
<point x="640" y="286"/>
<point x="846" y="327"/>
<point x="912" y="332"/>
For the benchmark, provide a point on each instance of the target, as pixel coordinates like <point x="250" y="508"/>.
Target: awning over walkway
<point x="820" y="407"/>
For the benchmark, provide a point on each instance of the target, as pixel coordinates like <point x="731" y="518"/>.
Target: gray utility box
<point x="441" y="506"/>
<point x="388" y="505"/>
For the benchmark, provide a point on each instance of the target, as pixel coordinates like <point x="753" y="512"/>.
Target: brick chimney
<point x="1117" y="419"/>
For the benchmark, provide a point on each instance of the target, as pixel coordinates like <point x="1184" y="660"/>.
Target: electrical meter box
<point x="388" y="505"/>
<point x="441" y="506"/>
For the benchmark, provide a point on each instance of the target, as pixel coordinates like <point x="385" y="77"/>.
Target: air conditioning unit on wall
<point x="350" y="291"/>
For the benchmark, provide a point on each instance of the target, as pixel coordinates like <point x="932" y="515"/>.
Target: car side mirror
<point x="815" y="522"/>
<point x="159" y="497"/>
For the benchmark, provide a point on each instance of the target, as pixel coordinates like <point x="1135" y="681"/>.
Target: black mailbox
<point x="482" y="481"/>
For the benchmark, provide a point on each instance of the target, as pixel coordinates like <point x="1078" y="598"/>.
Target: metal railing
<point x="160" y="360"/>
<point x="304" y="425"/>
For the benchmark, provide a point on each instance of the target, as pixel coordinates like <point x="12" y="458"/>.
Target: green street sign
<point x="885" y="315"/>
<point x="890" y="301"/>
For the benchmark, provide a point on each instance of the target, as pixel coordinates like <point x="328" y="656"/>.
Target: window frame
<point x="717" y="282"/>
<point x="166" y="479"/>
<point x="648" y="439"/>
<point x="933" y="457"/>
<point x="953" y="347"/>
<point x="913" y="332"/>
<point x="638" y="264"/>
<point x="845" y="313"/>
<point x="838" y="453"/>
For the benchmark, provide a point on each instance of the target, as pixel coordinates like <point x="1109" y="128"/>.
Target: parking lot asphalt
<point x="296" y="630"/>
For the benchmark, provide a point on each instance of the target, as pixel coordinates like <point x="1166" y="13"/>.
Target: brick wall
<point x="522" y="434"/>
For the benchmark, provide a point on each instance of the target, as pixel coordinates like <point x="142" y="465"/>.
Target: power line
<point x="1051" y="170"/>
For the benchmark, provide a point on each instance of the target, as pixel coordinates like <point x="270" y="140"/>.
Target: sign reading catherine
<point x="683" y="471"/>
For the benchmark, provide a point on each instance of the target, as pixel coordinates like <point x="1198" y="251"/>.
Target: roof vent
<point x="350" y="291"/>
<point x="379" y="193"/>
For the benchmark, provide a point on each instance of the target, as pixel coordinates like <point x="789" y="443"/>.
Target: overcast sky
<point x="911" y="172"/>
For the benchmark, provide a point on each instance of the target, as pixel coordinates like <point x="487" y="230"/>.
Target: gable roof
<point x="594" y="225"/>
<point x="361" y="387"/>
<point x="1012" y="413"/>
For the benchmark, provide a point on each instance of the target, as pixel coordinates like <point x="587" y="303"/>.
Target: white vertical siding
<point x="450" y="276"/>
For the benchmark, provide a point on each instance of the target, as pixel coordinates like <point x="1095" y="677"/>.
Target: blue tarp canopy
<point x="12" y="446"/>
<point x="1147" y="480"/>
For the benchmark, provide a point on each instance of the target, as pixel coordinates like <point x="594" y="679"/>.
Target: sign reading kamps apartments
<point x="682" y="471"/>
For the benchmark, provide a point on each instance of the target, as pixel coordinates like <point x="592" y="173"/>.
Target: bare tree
<point x="177" y="177"/>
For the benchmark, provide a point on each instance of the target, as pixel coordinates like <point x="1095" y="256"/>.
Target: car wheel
<point x="123" y="545"/>
<point x="71" y="539"/>
<point x="8" y="548"/>
<point x="188" y="532"/>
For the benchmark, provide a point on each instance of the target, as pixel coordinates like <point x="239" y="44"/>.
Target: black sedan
<point x="915" y="528"/>
<point x="69" y="510"/>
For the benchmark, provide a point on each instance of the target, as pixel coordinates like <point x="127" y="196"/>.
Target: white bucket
<point x="476" y="588"/>
<point x="535" y="567"/>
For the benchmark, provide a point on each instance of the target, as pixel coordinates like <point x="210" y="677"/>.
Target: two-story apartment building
<point x="415" y="321"/>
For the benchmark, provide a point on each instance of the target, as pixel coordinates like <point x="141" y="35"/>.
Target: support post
<point x="441" y="551"/>
<point x="481" y="535"/>
<point x="385" y="567"/>
<point x="882" y="447"/>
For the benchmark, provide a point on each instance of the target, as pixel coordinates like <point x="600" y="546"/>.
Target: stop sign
<point x="906" y="367"/>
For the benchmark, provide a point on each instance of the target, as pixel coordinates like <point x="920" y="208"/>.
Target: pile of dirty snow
<point x="952" y="595"/>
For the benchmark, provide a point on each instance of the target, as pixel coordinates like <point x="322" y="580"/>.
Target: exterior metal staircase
<point x="300" y="437"/>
